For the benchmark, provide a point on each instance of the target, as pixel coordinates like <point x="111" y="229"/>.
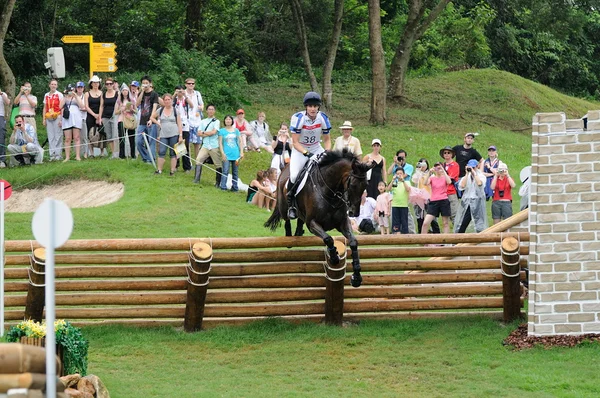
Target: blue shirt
<point x="230" y="143"/>
<point x="408" y="170"/>
<point x="20" y="139"/>
<point x="209" y="124"/>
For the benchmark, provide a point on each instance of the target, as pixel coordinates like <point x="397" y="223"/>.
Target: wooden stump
<point x="198" y="277"/>
<point x="334" y="287"/>
<point x="511" y="272"/>
<point x="34" y="307"/>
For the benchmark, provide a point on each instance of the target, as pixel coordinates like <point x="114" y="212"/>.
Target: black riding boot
<point x="218" y="175"/>
<point x="198" y="174"/>
<point x="292" y="211"/>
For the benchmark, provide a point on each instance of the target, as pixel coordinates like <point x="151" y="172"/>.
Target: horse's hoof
<point x="356" y="280"/>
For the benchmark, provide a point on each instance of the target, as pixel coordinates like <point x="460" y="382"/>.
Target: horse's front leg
<point x="318" y="230"/>
<point x="346" y="230"/>
<point x="299" y="228"/>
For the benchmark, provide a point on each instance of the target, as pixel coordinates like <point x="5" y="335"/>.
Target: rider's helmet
<point x="312" y="98"/>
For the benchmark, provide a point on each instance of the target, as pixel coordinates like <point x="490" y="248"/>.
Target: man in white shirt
<point x="4" y="107"/>
<point x="24" y="142"/>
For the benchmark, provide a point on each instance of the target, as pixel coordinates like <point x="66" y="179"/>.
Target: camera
<point x="469" y="169"/>
<point x="18" y="124"/>
<point x="501" y="193"/>
<point x="395" y="182"/>
<point x="421" y="164"/>
<point x="400" y="158"/>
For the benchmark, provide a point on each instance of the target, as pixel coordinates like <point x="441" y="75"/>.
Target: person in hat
<point x="93" y="103"/>
<point x="308" y="128"/>
<point x="472" y="204"/>
<point x="452" y="169"/>
<point x="490" y="166"/>
<point x="502" y="185"/>
<point x="347" y="140"/>
<point x="71" y="123"/>
<point x="466" y="152"/>
<point x="378" y="172"/>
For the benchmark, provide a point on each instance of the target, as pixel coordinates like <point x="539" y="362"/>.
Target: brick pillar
<point x="564" y="223"/>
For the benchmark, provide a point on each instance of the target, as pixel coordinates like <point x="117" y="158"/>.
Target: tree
<point x="7" y="78"/>
<point x="301" y="32"/>
<point x="378" y="94"/>
<point x="193" y="23"/>
<point x="331" y="53"/>
<point x="421" y="13"/>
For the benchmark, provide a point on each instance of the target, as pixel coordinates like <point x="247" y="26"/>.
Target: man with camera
<point x="4" y="106"/>
<point x="472" y="204"/>
<point x="502" y="184"/>
<point x="400" y="162"/>
<point x="27" y="103"/>
<point x="24" y="142"/>
<point x="466" y="152"/>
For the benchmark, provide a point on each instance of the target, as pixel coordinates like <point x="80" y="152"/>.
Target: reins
<point x="341" y="197"/>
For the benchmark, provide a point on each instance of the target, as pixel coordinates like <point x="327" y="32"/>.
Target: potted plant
<point x="71" y="345"/>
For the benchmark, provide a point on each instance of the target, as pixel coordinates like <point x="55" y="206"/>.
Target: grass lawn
<point x="458" y="357"/>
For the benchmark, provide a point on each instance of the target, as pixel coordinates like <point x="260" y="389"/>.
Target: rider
<point x="306" y="128"/>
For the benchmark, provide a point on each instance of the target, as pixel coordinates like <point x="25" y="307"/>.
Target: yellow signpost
<point x="103" y="57"/>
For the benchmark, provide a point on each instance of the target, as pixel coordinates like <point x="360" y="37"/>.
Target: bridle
<point x="340" y="197"/>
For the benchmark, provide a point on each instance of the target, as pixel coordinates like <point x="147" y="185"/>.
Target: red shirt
<point x="502" y="185"/>
<point x="452" y="170"/>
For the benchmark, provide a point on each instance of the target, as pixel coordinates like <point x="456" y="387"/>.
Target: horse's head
<point x="357" y="183"/>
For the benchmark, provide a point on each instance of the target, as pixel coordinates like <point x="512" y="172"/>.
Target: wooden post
<point x="198" y="278"/>
<point x="334" y="287"/>
<point x="34" y="306"/>
<point x="511" y="272"/>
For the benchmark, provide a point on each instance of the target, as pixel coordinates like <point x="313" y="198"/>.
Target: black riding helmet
<point x="312" y="98"/>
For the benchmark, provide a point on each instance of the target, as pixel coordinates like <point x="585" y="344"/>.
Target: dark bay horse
<point x="332" y="193"/>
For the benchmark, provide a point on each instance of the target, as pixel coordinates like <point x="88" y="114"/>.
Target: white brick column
<point x="564" y="221"/>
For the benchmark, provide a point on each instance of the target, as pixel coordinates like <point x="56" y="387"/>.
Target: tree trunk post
<point x="36" y="297"/>
<point x="334" y="287"/>
<point x="511" y="276"/>
<point x="198" y="271"/>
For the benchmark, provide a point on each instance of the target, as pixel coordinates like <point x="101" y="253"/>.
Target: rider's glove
<point x="308" y="154"/>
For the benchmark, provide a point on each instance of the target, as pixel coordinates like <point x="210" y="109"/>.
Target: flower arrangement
<point x="69" y="337"/>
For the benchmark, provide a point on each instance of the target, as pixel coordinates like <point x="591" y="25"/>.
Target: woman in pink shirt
<point x="439" y="180"/>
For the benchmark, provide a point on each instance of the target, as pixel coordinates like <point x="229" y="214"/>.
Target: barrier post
<point x="198" y="278"/>
<point x="34" y="305"/>
<point x="511" y="272"/>
<point x="334" y="287"/>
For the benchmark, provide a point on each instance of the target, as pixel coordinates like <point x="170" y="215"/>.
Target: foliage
<point x="69" y="337"/>
<point x="220" y="84"/>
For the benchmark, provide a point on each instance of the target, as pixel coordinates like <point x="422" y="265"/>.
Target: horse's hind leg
<point x="328" y="240"/>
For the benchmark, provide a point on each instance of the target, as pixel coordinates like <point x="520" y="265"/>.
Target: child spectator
<point x="439" y="180"/>
<point x="502" y="185"/>
<point x="400" y="190"/>
<point x="382" y="209"/>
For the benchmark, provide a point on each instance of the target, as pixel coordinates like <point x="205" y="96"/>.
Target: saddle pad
<point x="310" y="164"/>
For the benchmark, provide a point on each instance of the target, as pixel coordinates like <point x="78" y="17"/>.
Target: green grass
<point x="273" y="358"/>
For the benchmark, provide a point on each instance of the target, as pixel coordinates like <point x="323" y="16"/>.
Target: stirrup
<point x="292" y="213"/>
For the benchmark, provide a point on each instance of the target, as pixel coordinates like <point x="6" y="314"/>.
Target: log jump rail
<point x="201" y="282"/>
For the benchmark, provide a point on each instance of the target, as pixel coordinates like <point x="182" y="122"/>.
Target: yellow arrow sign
<point x="104" y="67"/>
<point x="73" y="39"/>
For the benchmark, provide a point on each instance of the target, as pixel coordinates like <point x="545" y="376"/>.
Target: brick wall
<point x="564" y="222"/>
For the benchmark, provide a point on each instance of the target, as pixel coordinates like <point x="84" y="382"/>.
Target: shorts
<point x="501" y="209"/>
<point x="383" y="220"/>
<point x="437" y="207"/>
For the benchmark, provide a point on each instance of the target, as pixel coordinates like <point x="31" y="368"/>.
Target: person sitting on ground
<point x="308" y="128"/>
<point x="439" y="180"/>
<point x="502" y="185"/>
<point x="257" y="191"/>
<point x="23" y="143"/>
<point x="382" y="209"/>
<point x="260" y="133"/>
<point x="472" y="204"/>
<point x="347" y="140"/>
<point x="169" y="122"/>
<point x="364" y="223"/>
<point x="271" y="181"/>
<point x="281" y="148"/>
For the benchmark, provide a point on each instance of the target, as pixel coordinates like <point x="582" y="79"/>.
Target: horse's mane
<point x="331" y="157"/>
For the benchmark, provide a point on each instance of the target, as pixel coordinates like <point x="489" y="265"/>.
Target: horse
<point x="332" y="193"/>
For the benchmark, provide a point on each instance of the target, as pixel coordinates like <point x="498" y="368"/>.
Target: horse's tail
<point x="275" y="220"/>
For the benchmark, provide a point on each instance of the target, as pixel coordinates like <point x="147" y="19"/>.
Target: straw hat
<point x="347" y="125"/>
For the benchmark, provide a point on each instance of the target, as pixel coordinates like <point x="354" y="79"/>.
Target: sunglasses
<point x="190" y="84"/>
<point x="109" y="82"/>
<point x="447" y="153"/>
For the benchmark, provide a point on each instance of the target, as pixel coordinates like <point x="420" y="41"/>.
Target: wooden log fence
<point x="200" y="283"/>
